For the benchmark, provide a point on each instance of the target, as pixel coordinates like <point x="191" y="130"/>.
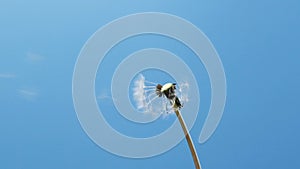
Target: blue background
<point x="258" y="43"/>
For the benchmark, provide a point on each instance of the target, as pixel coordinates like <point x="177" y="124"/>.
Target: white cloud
<point x="7" y="75"/>
<point x="28" y="94"/>
<point x="103" y="96"/>
<point x="34" y="57"/>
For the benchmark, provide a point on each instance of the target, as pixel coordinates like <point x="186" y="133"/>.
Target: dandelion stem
<point x="189" y="140"/>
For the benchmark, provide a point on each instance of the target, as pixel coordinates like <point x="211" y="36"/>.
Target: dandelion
<point x="146" y="93"/>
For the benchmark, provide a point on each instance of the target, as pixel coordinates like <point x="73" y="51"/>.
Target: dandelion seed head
<point x="147" y="101"/>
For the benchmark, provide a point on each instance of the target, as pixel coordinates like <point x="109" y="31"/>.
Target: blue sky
<point x="257" y="41"/>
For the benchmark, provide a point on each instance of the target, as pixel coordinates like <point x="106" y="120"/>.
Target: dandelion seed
<point x="151" y="82"/>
